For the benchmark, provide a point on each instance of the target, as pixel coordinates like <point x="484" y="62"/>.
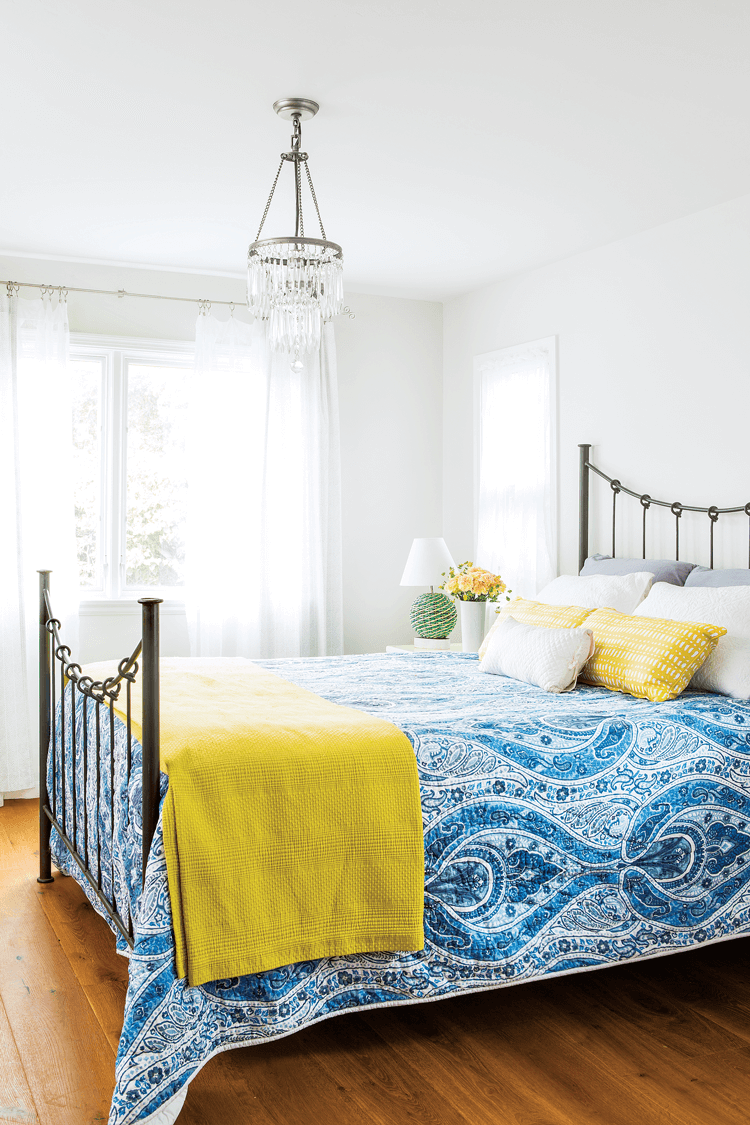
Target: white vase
<point x="472" y="625"/>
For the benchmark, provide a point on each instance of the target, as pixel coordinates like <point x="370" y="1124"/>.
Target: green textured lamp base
<point x="433" y="616"/>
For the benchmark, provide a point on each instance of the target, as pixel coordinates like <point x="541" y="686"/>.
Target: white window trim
<point x="114" y="598"/>
<point x="127" y="606"/>
<point x="547" y="346"/>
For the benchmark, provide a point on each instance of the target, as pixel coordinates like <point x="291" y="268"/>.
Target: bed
<point x="563" y="833"/>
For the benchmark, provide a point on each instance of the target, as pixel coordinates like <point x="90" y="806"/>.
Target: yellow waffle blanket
<point x="292" y="826"/>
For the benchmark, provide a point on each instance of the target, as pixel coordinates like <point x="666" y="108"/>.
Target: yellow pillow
<point x="538" y="613"/>
<point x="646" y="656"/>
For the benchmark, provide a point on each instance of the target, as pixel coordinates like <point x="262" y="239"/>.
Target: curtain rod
<point x="202" y="302"/>
<point x="63" y="290"/>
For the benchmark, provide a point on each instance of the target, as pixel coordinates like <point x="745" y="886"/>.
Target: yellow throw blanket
<point x="292" y="826"/>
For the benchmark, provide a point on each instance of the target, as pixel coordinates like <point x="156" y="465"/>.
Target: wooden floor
<point x="666" y="1042"/>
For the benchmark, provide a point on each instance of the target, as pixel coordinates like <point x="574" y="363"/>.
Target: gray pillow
<point x="702" y="576"/>
<point x="663" y="570"/>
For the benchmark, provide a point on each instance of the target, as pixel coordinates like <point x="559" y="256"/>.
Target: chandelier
<point x="295" y="283"/>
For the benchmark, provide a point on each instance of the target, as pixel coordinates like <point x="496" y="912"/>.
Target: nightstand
<point x="455" y="647"/>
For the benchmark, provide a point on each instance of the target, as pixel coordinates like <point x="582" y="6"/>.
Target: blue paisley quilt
<point x="562" y="833"/>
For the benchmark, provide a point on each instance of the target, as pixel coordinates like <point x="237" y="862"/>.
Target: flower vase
<point x="472" y="625"/>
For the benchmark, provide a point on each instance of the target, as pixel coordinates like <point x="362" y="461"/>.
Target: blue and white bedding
<point x="562" y="833"/>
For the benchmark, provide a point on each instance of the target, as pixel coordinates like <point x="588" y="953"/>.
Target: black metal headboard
<point x="646" y="501"/>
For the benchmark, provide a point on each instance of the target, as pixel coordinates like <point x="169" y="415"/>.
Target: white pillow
<point x="549" y="658"/>
<point x="727" y="669"/>
<point x="622" y="592"/>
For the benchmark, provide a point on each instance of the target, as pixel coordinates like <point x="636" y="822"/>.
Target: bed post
<point x="583" y="505"/>
<point x="45" y="856"/>
<point x="150" y="724"/>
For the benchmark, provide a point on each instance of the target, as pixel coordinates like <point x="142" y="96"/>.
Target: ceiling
<point x="459" y="141"/>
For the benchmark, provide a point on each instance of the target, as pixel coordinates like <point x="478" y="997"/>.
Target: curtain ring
<point x="676" y="509"/>
<point x="713" y="513"/>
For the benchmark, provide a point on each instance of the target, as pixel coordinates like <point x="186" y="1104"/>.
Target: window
<point x="517" y="493"/>
<point x="130" y="465"/>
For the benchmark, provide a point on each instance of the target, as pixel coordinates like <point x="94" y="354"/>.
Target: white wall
<point x="390" y="392"/>
<point x="654" y="371"/>
<point x="390" y="371"/>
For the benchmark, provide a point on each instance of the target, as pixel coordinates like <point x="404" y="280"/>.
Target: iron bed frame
<point x="646" y="501"/>
<point x="104" y="694"/>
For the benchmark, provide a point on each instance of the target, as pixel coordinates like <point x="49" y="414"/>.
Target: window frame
<point x="117" y="353"/>
<point x="506" y="358"/>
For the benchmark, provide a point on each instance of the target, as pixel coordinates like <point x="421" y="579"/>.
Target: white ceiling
<point x="459" y="141"/>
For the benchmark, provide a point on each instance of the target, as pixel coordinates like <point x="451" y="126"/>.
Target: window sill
<point x="125" y="607"/>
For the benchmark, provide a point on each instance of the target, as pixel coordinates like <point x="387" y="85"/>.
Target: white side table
<point x="455" y="647"/>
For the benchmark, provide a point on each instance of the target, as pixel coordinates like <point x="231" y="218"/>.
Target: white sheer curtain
<point x="517" y="525"/>
<point x="264" y="526"/>
<point x="37" y="515"/>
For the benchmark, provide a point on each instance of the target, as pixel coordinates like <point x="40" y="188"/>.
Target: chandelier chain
<point x="315" y="200"/>
<point x="300" y="225"/>
<point x="270" y="197"/>
<point x="296" y="132"/>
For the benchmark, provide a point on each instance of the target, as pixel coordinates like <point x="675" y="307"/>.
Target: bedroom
<point x="585" y="174"/>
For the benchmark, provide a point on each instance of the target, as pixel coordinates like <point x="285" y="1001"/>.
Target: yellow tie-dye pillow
<point x="648" y="657"/>
<point x="538" y="613"/>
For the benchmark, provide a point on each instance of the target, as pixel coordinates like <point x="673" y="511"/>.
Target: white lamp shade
<point x="427" y="560"/>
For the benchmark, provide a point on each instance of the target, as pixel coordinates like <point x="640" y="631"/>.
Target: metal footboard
<point x="77" y="757"/>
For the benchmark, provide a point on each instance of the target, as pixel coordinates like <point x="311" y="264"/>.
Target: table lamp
<point x="432" y="615"/>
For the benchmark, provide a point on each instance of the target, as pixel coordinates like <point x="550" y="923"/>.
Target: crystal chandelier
<point x="295" y="283"/>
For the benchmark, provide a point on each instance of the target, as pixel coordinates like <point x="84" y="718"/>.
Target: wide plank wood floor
<point x="665" y="1042"/>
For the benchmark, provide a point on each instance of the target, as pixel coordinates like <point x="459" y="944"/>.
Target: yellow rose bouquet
<point x="469" y="583"/>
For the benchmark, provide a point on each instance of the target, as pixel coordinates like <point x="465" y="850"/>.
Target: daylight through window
<point x="129" y="455"/>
